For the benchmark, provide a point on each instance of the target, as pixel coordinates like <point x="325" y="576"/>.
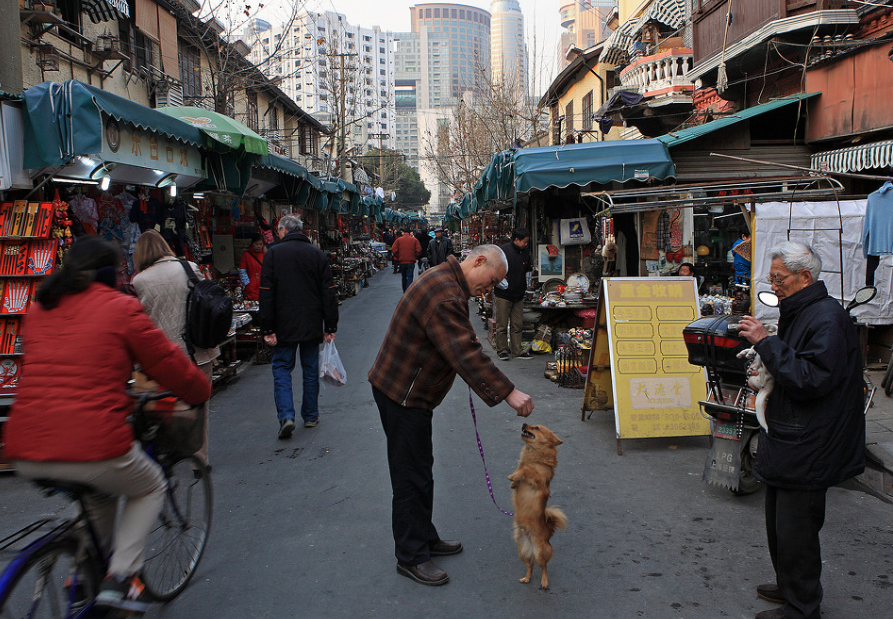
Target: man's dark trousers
<point x="411" y="463"/>
<point x="408" y="271"/>
<point x="793" y="521"/>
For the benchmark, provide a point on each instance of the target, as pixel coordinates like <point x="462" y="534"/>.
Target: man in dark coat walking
<point x="816" y="435"/>
<point x="298" y="310"/>
<point x="439" y="249"/>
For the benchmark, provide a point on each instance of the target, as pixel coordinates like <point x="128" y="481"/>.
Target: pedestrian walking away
<point x="298" y="311"/>
<point x="424" y="240"/>
<point x="162" y="286"/>
<point x="406" y="251"/>
<point x="816" y="435"/>
<point x="439" y="248"/>
<point x="508" y="299"/>
<point x="429" y="341"/>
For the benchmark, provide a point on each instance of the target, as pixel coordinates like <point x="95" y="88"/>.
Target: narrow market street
<point x="302" y="527"/>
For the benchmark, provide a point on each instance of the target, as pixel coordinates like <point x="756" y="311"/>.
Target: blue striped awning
<point x="105" y="10"/>
<point x="855" y="158"/>
<point x="669" y="12"/>
<point x="619" y="46"/>
<point x="616" y="46"/>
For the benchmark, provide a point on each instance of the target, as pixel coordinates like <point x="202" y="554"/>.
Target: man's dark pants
<point x="793" y="521"/>
<point x="411" y="463"/>
<point x="408" y="271"/>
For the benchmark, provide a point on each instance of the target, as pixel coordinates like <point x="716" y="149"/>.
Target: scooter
<point x="713" y="342"/>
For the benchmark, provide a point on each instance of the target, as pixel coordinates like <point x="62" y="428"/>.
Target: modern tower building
<point x="444" y="58"/>
<point x="585" y="24"/>
<point x="508" y="51"/>
<point x="321" y="57"/>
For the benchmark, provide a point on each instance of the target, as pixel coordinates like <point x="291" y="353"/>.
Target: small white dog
<point x="760" y="380"/>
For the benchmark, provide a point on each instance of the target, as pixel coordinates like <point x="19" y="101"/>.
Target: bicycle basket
<point x="178" y="429"/>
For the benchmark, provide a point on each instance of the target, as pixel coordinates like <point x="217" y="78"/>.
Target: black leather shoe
<point x="770" y="593"/>
<point x="426" y="573"/>
<point x="444" y="547"/>
<point x="775" y="613"/>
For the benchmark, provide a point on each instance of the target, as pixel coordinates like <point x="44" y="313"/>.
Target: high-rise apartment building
<point x="585" y="24"/>
<point x="319" y="58"/>
<point x="508" y="48"/>
<point x="445" y="56"/>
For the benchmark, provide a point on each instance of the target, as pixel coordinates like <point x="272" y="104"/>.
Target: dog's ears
<point x="557" y="441"/>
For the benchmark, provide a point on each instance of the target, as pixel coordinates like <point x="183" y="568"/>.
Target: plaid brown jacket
<point x="430" y="340"/>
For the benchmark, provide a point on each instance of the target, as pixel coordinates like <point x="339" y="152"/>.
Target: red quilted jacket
<point x="71" y="404"/>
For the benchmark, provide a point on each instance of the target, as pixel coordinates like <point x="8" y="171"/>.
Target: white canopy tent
<point x="817" y="224"/>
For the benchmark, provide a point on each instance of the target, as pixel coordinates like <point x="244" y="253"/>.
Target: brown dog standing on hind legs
<point x="534" y="522"/>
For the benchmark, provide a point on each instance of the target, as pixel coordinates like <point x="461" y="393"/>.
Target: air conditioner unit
<point x="168" y="94"/>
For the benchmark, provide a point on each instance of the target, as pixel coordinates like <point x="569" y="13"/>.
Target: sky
<point x="541" y="23"/>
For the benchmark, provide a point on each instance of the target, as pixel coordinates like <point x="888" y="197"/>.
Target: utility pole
<point x="342" y="120"/>
<point x="381" y="137"/>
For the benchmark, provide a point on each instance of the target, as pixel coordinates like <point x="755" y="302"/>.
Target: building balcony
<point x="660" y="76"/>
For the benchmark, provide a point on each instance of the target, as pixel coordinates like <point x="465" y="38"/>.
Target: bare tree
<point x="493" y="117"/>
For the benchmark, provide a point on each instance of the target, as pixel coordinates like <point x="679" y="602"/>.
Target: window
<point x="273" y="119"/>
<point x="587" y="112"/>
<point x="569" y="118"/>
<point x="251" y="120"/>
<point x="190" y="72"/>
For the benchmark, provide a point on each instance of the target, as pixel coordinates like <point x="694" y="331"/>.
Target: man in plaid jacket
<point x="429" y="341"/>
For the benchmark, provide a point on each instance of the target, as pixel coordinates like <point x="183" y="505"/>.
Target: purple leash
<point x="484" y="460"/>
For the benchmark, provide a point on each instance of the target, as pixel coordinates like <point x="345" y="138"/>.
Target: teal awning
<point x="517" y="171"/>
<point x="675" y="138"/>
<point x="594" y="162"/>
<point x="283" y="166"/>
<point x="63" y="121"/>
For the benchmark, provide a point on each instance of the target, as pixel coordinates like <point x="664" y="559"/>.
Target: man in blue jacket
<point x="298" y="310"/>
<point x="816" y="435"/>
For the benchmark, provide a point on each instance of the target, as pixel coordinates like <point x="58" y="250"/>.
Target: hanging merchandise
<point x="663" y="232"/>
<point x="877" y="229"/>
<point x="574" y="232"/>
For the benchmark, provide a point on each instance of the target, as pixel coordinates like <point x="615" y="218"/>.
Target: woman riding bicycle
<point x="69" y="419"/>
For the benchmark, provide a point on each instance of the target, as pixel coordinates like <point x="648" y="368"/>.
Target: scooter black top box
<point x="712" y="343"/>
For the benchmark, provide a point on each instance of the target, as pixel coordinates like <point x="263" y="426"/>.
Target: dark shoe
<point x="200" y="473"/>
<point x="445" y="547"/>
<point x="775" y="613"/>
<point x="426" y="573"/>
<point x="128" y="594"/>
<point x="312" y="423"/>
<point x="286" y="427"/>
<point x="770" y="593"/>
<point x="525" y="355"/>
<point x="504" y="356"/>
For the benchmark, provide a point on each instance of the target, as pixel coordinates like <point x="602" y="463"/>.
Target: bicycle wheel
<point x="176" y="544"/>
<point x="51" y="584"/>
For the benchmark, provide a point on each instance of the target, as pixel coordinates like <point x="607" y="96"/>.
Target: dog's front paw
<point x="525" y="580"/>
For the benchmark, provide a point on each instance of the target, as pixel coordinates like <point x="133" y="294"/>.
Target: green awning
<point x="283" y="166"/>
<point x="594" y="162"/>
<point x="63" y="121"/>
<point x="675" y="138"/>
<point x="517" y="171"/>
<point x="219" y="129"/>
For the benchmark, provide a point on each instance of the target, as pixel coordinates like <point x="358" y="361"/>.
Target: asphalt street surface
<point x="302" y="527"/>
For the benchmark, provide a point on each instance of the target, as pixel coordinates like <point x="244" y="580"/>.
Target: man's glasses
<point x="778" y="281"/>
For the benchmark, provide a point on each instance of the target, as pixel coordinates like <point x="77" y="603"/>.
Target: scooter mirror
<point x="768" y="298"/>
<point x="864" y="295"/>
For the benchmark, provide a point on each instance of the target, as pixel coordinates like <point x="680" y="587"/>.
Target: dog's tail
<point x="555" y="519"/>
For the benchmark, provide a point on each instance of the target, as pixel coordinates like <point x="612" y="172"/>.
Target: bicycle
<point x="57" y="576"/>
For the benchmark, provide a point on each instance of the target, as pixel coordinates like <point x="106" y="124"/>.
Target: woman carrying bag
<point x="162" y="286"/>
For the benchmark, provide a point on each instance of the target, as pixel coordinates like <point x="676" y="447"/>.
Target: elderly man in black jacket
<point x="816" y="435"/>
<point x="298" y="310"/>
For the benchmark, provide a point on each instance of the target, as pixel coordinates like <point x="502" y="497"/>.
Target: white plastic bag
<point x="331" y="370"/>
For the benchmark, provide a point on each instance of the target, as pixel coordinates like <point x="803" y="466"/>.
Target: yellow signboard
<point x="655" y="389"/>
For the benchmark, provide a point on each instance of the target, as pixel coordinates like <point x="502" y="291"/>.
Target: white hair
<point x="798" y="256"/>
<point x="493" y="254"/>
<point x="291" y="222"/>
